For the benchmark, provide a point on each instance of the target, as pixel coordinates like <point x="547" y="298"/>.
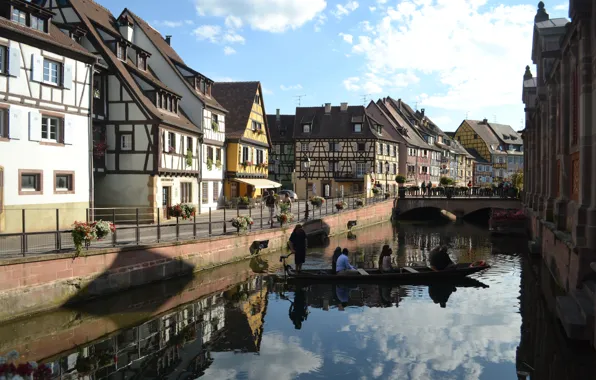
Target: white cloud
<point x="345" y="9"/>
<point x="267" y="91"/>
<point x="173" y="24"/>
<point x="207" y="32"/>
<point x="441" y="121"/>
<point x="291" y="88"/>
<point x="351" y="84"/>
<point x="223" y="79"/>
<point x="372" y="9"/>
<point x="280" y="358"/>
<point x="214" y="34"/>
<point x="266" y="15"/>
<point x="229" y="50"/>
<point x="321" y="19"/>
<point x="233" y="22"/>
<point x="347" y="37"/>
<point x="373" y="83"/>
<point x="365" y="25"/>
<point x="476" y="54"/>
<point x="562" y="7"/>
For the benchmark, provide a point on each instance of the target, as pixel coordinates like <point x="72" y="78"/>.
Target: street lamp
<point x="306" y="164"/>
<point x="386" y="172"/>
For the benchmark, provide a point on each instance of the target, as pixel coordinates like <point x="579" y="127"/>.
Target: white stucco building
<point x="45" y="100"/>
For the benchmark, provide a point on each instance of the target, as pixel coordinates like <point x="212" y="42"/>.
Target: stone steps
<point x="572" y="318"/>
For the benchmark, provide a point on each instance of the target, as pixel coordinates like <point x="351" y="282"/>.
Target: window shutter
<point x="240" y="156"/>
<point x="68" y="134"/>
<point x="37" y="68"/>
<point x="34" y="126"/>
<point x="14" y="62"/>
<point x="205" y="151"/>
<point x="15" y="117"/>
<point x="67" y="76"/>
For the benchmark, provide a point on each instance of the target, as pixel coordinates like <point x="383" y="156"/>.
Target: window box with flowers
<point x="285" y="215"/>
<point x="171" y="149"/>
<point x="246" y="164"/>
<point x="263" y="165"/>
<point x="11" y="369"/>
<point x="99" y="149"/>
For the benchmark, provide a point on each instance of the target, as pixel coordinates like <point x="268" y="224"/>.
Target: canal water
<point x="241" y="322"/>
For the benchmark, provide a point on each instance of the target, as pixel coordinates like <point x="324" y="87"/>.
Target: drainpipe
<point x="90" y="134"/>
<point x="200" y="166"/>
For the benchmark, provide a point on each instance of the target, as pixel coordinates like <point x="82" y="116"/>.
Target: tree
<point x="445" y="181"/>
<point x="517" y="180"/>
<point x="400" y="179"/>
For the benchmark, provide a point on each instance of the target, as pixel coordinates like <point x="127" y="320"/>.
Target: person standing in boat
<point x="439" y="258"/>
<point x="343" y="265"/>
<point x="298" y="244"/>
<point x="385" y="260"/>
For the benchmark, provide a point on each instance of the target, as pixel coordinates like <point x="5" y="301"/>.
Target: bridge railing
<point x="461" y="192"/>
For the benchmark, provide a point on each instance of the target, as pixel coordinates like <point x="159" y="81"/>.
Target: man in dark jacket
<point x="298" y="245"/>
<point x="439" y="258"/>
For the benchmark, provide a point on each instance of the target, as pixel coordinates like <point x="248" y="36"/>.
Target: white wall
<point x="22" y="152"/>
<point x="210" y="189"/>
<point x="173" y="160"/>
<point x="174" y="183"/>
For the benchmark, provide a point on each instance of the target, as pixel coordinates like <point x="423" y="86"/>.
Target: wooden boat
<point x="415" y="275"/>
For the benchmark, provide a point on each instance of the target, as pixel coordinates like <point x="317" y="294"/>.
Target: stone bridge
<point x="457" y="206"/>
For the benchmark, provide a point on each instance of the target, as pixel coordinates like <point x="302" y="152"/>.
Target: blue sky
<point x="452" y="57"/>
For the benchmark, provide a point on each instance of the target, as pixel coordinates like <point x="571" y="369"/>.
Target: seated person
<point x="343" y="265"/>
<point x="439" y="258"/>
<point x="385" y="260"/>
<point x="336" y="255"/>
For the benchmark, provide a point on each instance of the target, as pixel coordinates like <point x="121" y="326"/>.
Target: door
<point x="166" y="200"/>
<point x="234" y="190"/>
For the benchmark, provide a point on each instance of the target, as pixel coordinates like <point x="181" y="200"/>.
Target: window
<point x="186" y="192"/>
<point x="333" y="166"/>
<point x="260" y="156"/>
<point x="126" y="141"/>
<point x="3" y="59"/>
<point x="50" y="128"/>
<point x="30" y="182"/>
<point x="425" y="154"/>
<point x="216" y="190"/>
<point x="171" y="146"/>
<point x="205" y="193"/>
<point x="334" y="147"/>
<point x="38" y="23"/>
<point x="511" y="159"/>
<point x="19" y="16"/>
<point x="214" y="121"/>
<point x="357" y="128"/>
<point x="305" y="128"/>
<point x="380" y="168"/>
<point x="304" y="147"/>
<point x="189" y="143"/>
<point x="257" y="99"/>
<point x="142" y="62"/>
<point x="121" y="51"/>
<point x="256" y="126"/>
<point x="51" y="71"/>
<point x="217" y="155"/>
<point x="63" y="182"/>
<point x="380" y="148"/>
<point x="394" y="150"/>
<point x="424" y="169"/>
<point x="360" y="169"/>
<point x="394" y="169"/>
<point x="210" y="153"/>
<point x="475" y="136"/>
<point x="3" y="123"/>
<point x="245" y="154"/>
<point x="277" y="148"/>
<point x="361" y="147"/>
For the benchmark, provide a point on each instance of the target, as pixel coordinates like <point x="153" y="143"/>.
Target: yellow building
<point x="247" y="139"/>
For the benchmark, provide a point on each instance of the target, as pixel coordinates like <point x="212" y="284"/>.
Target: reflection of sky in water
<point x="474" y="337"/>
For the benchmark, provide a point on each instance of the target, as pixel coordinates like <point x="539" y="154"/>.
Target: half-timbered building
<point x="196" y="92"/>
<point x="146" y="142"/>
<point x="281" y="163"/>
<point x="247" y="138"/>
<point x="343" y="146"/>
<point x="45" y="82"/>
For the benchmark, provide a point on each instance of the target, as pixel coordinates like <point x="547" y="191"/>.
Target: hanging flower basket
<point x="340" y="205"/>
<point x="317" y="201"/>
<point x="242" y="222"/>
<point x="376" y="190"/>
<point x="182" y="210"/>
<point x="103" y="228"/>
<point x="99" y="149"/>
<point x="284" y="217"/>
<point x="84" y="233"/>
<point x="10" y="370"/>
<point x="359" y="202"/>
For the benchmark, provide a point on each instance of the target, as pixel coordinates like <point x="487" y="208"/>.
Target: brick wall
<point x="30" y="285"/>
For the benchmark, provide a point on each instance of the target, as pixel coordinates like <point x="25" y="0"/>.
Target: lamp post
<point x="386" y="173"/>
<point x="306" y="164"/>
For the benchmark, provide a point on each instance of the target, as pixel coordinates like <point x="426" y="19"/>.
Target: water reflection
<point x="233" y="324"/>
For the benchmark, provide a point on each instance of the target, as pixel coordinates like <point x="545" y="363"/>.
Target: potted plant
<point x="99" y="149"/>
<point x="284" y="216"/>
<point x="218" y="164"/>
<point x="188" y="210"/>
<point x="244" y="201"/>
<point x="189" y="158"/>
<point x="340" y="205"/>
<point x="317" y="201"/>
<point x="209" y="164"/>
<point x="400" y="179"/>
<point x="359" y="202"/>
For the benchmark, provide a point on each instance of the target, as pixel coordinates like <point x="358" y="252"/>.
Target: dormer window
<point x="306" y="128"/>
<point x="357" y="128"/>
<point x="142" y="61"/>
<point x="167" y="102"/>
<point x="208" y="89"/>
<point x="24" y="18"/>
<point x="121" y="51"/>
<point x="19" y="16"/>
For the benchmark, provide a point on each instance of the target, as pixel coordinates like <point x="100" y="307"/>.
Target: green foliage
<point x="209" y="164"/>
<point x="400" y="179"/>
<point x="188" y="158"/>
<point x="517" y="180"/>
<point x="446" y="181"/>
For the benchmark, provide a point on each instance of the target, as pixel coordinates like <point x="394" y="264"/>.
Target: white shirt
<point x="387" y="263"/>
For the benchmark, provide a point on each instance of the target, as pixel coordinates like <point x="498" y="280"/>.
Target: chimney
<point x="485" y="121"/>
<point x="327" y="108"/>
<point x="277" y="114"/>
<point x="541" y="14"/>
<point x="343" y="107"/>
<point x="422" y="112"/>
<point x="169" y="40"/>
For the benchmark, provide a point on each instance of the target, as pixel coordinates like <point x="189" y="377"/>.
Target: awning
<point x="259" y="183"/>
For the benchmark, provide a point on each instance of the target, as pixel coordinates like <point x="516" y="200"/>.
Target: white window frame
<point x="358" y="128"/>
<point x="304" y="147"/>
<point x="3" y="59"/>
<point x="46" y="124"/>
<point x="126" y="142"/>
<point x="306" y="128"/>
<point x="49" y="76"/>
<point x="22" y="16"/>
<point x="360" y="169"/>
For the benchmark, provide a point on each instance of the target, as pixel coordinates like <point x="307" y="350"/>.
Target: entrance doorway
<point x="166" y="200"/>
<point x="234" y="190"/>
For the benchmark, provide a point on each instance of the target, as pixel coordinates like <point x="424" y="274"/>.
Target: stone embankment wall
<point x="40" y="283"/>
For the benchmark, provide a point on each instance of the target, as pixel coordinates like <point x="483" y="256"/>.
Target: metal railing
<point x="139" y="226"/>
<point x="461" y="192"/>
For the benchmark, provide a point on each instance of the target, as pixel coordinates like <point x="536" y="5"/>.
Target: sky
<point x="456" y="59"/>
